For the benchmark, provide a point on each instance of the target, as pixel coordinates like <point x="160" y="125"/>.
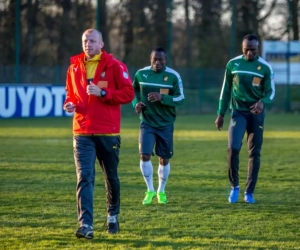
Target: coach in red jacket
<point x="97" y="85"/>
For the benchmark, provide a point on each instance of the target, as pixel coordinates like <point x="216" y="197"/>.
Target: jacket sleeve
<point x="178" y="97"/>
<point x="136" y="87"/>
<point x="70" y="96"/>
<point x="269" y="87"/>
<point x="123" y="93"/>
<point x="225" y="95"/>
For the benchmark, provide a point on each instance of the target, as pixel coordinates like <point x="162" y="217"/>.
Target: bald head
<point x="92" y="42"/>
<point x="96" y="32"/>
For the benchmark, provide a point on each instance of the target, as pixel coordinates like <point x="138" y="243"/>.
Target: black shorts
<point x="160" y="137"/>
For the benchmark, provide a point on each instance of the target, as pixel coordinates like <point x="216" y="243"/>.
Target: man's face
<point x="250" y="49"/>
<point x="91" y="43"/>
<point x="158" y="61"/>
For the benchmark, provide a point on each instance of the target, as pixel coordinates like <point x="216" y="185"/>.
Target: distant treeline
<point x="199" y="32"/>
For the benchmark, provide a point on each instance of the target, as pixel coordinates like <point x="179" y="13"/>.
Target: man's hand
<point x="154" y="97"/>
<point x="219" y="122"/>
<point x="139" y="107"/>
<point x="257" y="108"/>
<point x="93" y="89"/>
<point x="69" y="107"/>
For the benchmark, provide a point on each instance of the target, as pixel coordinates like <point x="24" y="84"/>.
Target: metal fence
<point x="202" y="87"/>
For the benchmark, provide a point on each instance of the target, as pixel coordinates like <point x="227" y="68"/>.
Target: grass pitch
<point x="37" y="183"/>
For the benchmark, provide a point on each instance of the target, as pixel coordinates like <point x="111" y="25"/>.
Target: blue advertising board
<point x="17" y="101"/>
<point x="284" y="57"/>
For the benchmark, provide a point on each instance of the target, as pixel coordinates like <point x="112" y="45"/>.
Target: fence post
<point x="200" y="91"/>
<point x="170" y="33"/>
<point x="57" y="74"/>
<point x="288" y="80"/>
<point x="17" y="40"/>
<point x="232" y="29"/>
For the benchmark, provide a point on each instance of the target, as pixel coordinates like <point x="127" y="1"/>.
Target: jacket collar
<point x="105" y="57"/>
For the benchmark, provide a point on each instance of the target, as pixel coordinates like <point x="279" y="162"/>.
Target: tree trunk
<point x="295" y="19"/>
<point x="63" y="31"/>
<point x="160" y="23"/>
<point x="129" y="30"/>
<point x="103" y="24"/>
<point x="187" y="34"/>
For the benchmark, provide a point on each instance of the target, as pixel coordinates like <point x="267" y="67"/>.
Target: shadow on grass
<point x="66" y="238"/>
<point x="60" y="238"/>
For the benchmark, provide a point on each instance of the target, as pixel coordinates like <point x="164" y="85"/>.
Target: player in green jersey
<point x="248" y="86"/>
<point x="158" y="90"/>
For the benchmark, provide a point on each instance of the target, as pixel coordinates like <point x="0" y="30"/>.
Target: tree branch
<point x="269" y="12"/>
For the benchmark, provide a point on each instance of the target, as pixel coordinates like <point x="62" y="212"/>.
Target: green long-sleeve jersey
<point x="168" y="83"/>
<point x="245" y="83"/>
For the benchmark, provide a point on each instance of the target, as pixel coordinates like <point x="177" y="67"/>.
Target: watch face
<point x="103" y="92"/>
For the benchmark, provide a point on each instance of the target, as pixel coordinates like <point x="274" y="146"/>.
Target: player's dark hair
<point x="250" y="37"/>
<point x="159" y="49"/>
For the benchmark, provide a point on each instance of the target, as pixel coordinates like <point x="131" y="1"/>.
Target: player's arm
<point x="137" y="93"/>
<point x="136" y="103"/>
<point x="177" y="98"/>
<point x="70" y="101"/>
<point x="225" y="92"/>
<point x="123" y="93"/>
<point x="269" y="87"/>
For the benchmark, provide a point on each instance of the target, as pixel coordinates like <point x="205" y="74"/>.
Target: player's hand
<point x="93" y="89"/>
<point x="154" y="97"/>
<point x="69" y="107"/>
<point x="219" y="122"/>
<point x="257" y="108"/>
<point x="139" y="107"/>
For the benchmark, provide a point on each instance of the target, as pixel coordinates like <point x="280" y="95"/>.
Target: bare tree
<point x="249" y="18"/>
<point x="128" y="17"/>
<point x="32" y="10"/>
<point x="159" y="22"/>
<point x="207" y="23"/>
<point x="8" y="31"/>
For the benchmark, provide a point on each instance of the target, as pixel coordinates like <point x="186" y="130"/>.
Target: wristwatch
<point x="102" y="93"/>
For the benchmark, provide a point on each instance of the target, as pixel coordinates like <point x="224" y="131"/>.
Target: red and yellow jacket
<point x="98" y="115"/>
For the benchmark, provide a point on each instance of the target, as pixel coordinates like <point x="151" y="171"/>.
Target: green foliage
<point x="37" y="183"/>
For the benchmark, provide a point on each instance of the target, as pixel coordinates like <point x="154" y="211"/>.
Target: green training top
<point x="167" y="82"/>
<point x="245" y="83"/>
